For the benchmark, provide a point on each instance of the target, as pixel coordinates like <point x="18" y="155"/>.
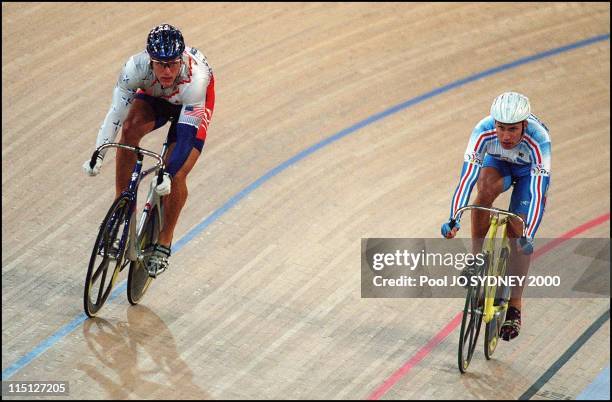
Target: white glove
<point x="96" y="168"/>
<point x="164" y="187"/>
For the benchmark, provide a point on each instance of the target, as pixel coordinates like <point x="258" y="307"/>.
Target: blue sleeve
<point x="185" y="142"/>
<point x="482" y="135"/>
<point x="467" y="180"/>
<point x="537" y="187"/>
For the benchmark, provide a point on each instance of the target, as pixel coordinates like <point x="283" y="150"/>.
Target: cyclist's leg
<point x="174" y="202"/>
<point x="493" y="180"/>
<point x="519" y="263"/>
<point x="139" y="121"/>
<point x="519" y="204"/>
<point x="158" y="262"/>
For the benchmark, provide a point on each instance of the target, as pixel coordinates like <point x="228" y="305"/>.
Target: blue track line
<point x="57" y="336"/>
<point x="565" y="357"/>
<point x="599" y="389"/>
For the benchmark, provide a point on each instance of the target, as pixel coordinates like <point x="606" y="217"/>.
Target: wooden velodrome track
<point x="265" y="301"/>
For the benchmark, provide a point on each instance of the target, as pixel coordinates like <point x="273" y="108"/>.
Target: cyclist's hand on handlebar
<point x="448" y="231"/>
<point x="165" y="186"/>
<point x="526" y="245"/>
<point x="96" y="169"/>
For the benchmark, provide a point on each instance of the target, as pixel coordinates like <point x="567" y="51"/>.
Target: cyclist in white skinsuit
<point x="166" y="82"/>
<point x="509" y="148"/>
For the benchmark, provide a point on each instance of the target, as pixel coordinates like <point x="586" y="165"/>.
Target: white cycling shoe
<point x="158" y="260"/>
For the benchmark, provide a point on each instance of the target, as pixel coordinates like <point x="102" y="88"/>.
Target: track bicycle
<point x="121" y="241"/>
<point x="486" y="301"/>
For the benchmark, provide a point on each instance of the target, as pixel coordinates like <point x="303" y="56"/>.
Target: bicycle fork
<point x="494" y="267"/>
<point x="153" y="200"/>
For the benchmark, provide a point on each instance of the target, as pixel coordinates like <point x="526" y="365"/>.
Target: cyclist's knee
<point x="515" y="229"/>
<point x="487" y="193"/>
<point x="179" y="181"/>
<point x="179" y="178"/>
<point x="132" y="132"/>
<point x="183" y="171"/>
<point x="490" y="185"/>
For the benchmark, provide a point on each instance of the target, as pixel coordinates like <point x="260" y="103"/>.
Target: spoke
<point x="102" y="267"/>
<point x="101" y="291"/>
<point x="472" y="333"/>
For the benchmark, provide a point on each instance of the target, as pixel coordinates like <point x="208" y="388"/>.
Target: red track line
<point x="414" y="360"/>
<point x="439" y="337"/>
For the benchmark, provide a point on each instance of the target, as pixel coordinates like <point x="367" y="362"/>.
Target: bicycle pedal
<point x="477" y="311"/>
<point x="157" y="267"/>
<point x="113" y="252"/>
<point x="153" y="273"/>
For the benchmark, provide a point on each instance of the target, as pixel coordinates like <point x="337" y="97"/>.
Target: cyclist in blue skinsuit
<point x="509" y="148"/>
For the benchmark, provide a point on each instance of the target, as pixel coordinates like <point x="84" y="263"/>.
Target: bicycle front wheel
<point x="106" y="257"/>
<point x="470" y="323"/>
<point x="493" y="327"/>
<point x="138" y="276"/>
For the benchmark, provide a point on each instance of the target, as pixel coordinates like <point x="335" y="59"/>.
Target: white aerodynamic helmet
<point x="510" y="108"/>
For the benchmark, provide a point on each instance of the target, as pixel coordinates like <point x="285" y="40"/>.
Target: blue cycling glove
<point x="446" y="227"/>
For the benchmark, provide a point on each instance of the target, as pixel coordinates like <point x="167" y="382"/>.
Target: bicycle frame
<point x="480" y="299"/>
<point x="495" y="267"/>
<point x="130" y="232"/>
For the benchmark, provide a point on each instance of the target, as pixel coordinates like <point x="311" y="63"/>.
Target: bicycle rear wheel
<point x="470" y="323"/>
<point x="98" y="282"/>
<point x="493" y="327"/>
<point x="138" y="276"/>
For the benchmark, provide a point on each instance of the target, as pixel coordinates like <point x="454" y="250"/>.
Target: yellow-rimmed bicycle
<point x="485" y="300"/>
